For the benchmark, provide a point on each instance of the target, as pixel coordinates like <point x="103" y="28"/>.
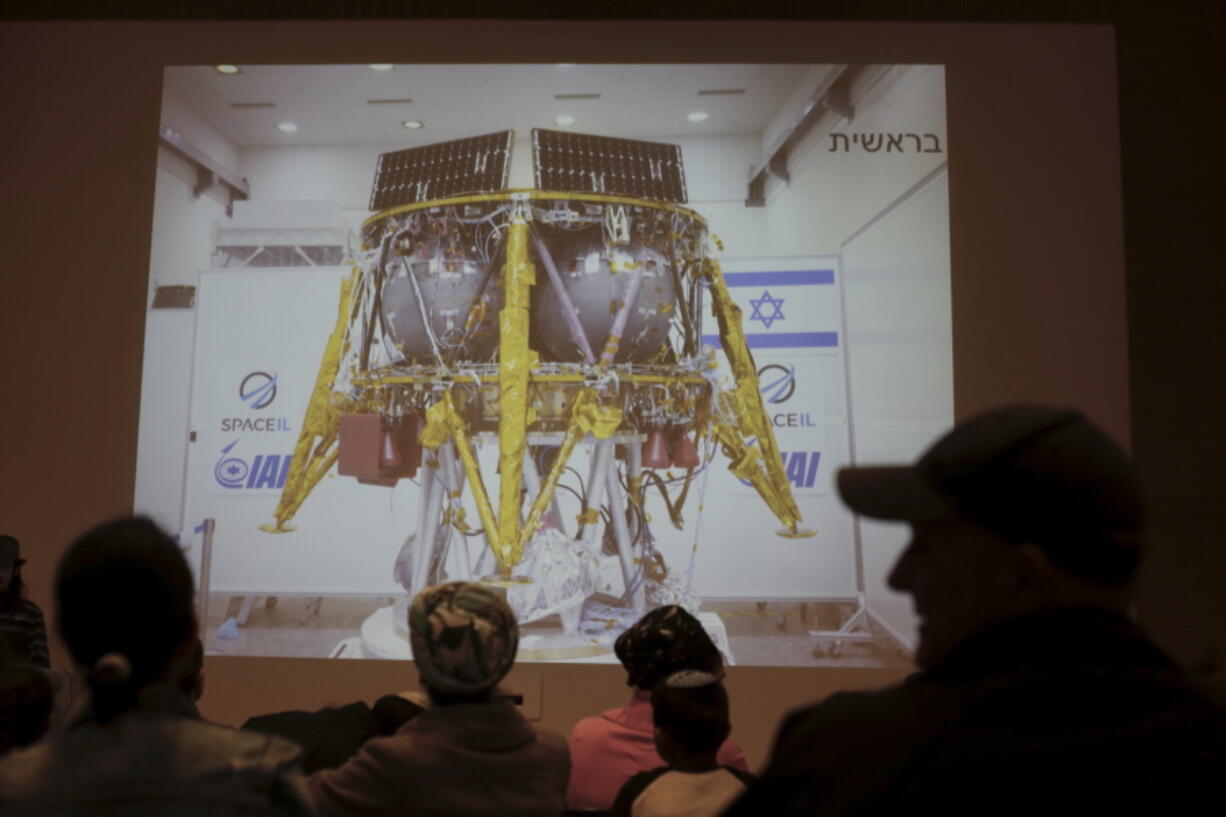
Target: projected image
<point x="597" y="336"/>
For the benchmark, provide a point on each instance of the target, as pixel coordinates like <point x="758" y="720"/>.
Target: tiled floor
<point x="760" y="633"/>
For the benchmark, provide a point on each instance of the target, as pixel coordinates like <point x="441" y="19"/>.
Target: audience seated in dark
<point x="471" y="754"/>
<point x="26" y="700"/>
<point x="690" y="713"/>
<point x="124" y="603"/>
<point x="23" y="636"/>
<point x="331" y="736"/>
<point x="607" y="750"/>
<point x="1038" y="694"/>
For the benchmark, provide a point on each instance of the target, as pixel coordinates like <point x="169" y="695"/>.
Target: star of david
<point x="233" y="469"/>
<point x="776" y="305"/>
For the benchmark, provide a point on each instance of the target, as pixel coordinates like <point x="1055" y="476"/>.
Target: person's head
<point x="464" y="638"/>
<point x="664" y="641"/>
<point x="1017" y="510"/>
<point x="690" y="712"/>
<point x="11" y="587"/>
<point x="124" y="598"/>
<point x="26" y="701"/>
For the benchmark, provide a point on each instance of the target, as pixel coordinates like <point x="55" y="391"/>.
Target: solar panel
<point x="580" y="162"/>
<point x="478" y="164"/>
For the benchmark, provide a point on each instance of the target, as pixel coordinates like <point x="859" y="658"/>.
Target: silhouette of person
<point x="1037" y="692"/>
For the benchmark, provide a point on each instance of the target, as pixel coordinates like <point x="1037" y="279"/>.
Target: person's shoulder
<point x="634" y="787"/>
<point x="250" y="748"/>
<point x="585" y="727"/>
<point x="23" y="771"/>
<point x="746" y="778"/>
<point x="551" y="740"/>
<point x="23" y="612"/>
<point x="844" y="710"/>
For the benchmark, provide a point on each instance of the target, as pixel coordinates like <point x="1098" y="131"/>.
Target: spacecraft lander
<point x="486" y="333"/>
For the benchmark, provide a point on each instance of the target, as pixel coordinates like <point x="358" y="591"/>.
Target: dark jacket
<point x="23" y="635"/>
<point x="328" y="738"/>
<point x="461" y="759"/>
<point x="1069" y="711"/>
<point x="155" y="760"/>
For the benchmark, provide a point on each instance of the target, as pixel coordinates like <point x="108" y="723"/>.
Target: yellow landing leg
<point x="315" y="452"/>
<point x="759" y="461"/>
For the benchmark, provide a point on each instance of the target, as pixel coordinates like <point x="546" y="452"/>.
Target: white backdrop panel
<point x="792" y="320"/>
<point x="900" y="358"/>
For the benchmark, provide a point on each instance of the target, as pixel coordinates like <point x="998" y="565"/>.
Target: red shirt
<point x="608" y="750"/>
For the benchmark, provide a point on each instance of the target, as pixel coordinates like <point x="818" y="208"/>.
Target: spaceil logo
<point x="777" y="384"/>
<point x="265" y="471"/>
<point x="257" y="391"/>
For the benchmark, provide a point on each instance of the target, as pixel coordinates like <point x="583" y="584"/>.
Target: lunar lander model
<point x="530" y="322"/>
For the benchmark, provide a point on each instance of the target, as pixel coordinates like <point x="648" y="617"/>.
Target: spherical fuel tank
<point x="457" y="293"/>
<point x="597" y="279"/>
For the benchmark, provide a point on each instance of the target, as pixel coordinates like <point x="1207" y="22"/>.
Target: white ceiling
<point x="329" y="103"/>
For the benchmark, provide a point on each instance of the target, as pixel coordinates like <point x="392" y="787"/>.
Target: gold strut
<point x="443" y="423"/>
<point x="515" y="363"/>
<point x="312" y="460"/>
<point x="762" y="465"/>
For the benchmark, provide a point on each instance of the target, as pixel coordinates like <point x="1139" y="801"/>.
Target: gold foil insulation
<point x="515" y="363"/>
<point x="761" y="465"/>
<point x="443" y="423"/>
<point x="311" y="459"/>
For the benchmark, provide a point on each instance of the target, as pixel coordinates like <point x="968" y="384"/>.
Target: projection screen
<point x="597" y="335"/>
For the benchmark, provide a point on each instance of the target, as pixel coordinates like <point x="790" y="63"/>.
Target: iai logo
<point x="262" y="472"/>
<point x="258" y="389"/>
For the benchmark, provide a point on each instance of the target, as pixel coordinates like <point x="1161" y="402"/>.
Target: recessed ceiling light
<point x="227" y="69"/>
<point x="412" y="124"/>
<point x="564" y="119"/>
<point x="381" y="66"/>
<point x="565" y="64"/>
<point x="287" y="127"/>
<point x="697" y="116"/>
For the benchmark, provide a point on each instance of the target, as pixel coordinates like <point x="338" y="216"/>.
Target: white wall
<point x="900" y="359"/>
<point x="804" y="217"/>
<point x="181" y="246"/>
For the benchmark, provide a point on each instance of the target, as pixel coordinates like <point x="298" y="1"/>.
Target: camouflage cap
<point x="664" y="641"/>
<point x="464" y="637"/>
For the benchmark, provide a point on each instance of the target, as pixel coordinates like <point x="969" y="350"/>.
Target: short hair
<point x="124" y="589"/>
<point x="691" y="708"/>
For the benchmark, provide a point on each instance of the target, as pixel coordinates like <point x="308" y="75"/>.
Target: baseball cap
<point x="10" y="548"/>
<point x="1028" y="473"/>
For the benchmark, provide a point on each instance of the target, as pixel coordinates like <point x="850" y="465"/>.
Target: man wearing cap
<point x="471" y="752"/>
<point x="23" y="635"/>
<point x="1037" y="692"/>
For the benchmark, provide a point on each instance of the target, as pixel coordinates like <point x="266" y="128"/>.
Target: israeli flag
<point x="786" y="309"/>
